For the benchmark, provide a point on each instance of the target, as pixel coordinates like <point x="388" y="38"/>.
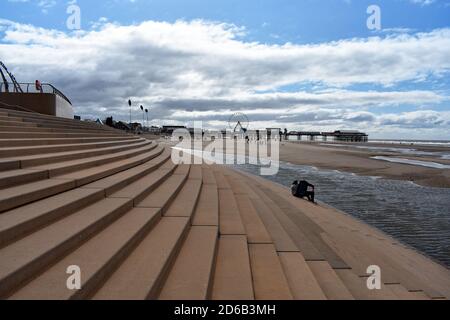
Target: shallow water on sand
<point x="415" y="215"/>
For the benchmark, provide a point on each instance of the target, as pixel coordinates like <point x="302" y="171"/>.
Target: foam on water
<point x="415" y="215"/>
<point x="427" y="164"/>
<point x="407" y="151"/>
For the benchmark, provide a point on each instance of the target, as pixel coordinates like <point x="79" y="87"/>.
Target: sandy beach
<point x="359" y="161"/>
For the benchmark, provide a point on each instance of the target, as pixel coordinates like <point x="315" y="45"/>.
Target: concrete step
<point x="151" y="160"/>
<point x="361" y="252"/>
<point x="186" y="201"/>
<point x="196" y="173"/>
<point x="358" y="287"/>
<point x="143" y="273"/>
<point x="302" y="281"/>
<point x="65" y="167"/>
<point x="207" y="210"/>
<point x="403" y="294"/>
<point x="17" y="223"/>
<point x="310" y="241"/>
<point x="302" y="242"/>
<point x="254" y="227"/>
<point x="208" y="176"/>
<point x="16" y="177"/>
<point x="62" y="126"/>
<point x="41" y="159"/>
<point x="8" y="143"/>
<point x="51" y="128"/>
<point x="329" y="281"/>
<point x="230" y="220"/>
<point x="163" y="196"/>
<point x="269" y="280"/>
<point x="27" y="257"/>
<point x="19" y="128"/>
<point x="17" y="196"/>
<point x="113" y="183"/>
<point x="51" y="135"/>
<point x="34" y="150"/>
<point x="281" y="239"/>
<point x="233" y="276"/>
<point x="221" y="182"/>
<point x="41" y="118"/>
<point x="192" y="274"/>
<point x="4" y="117"/>
<point x="12" y="123"/>
<point x="97" y="258"/>
<point x="140" y="189"/>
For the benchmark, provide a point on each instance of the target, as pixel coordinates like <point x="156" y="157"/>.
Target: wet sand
<point x="358" y="161"/>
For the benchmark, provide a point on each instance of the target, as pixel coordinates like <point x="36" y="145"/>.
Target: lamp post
<point x="146" y="111"/>
<point x="143" y="116"/>
<point x="129" y="104"/>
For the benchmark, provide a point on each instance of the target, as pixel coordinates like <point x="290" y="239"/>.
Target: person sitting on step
<point x="300" y="190"/>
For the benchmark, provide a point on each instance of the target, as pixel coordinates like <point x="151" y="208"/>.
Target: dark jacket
<point x="300" y="189"/>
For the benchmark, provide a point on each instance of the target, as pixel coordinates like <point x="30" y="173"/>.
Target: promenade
<point x="140" y="227"/>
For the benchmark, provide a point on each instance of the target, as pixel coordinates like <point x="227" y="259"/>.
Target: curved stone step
<point x="269" y="280"/>
<point x="19" y="195"/>
<point x="207" y="211"/>
<point x="60" y="168"/>
<point x="97" y="258"/>
<point x="150" y="162"/>
<point x="30" y="255"/>
<point x="51" y="135"/>
<point x="46" y="158"/>
<point x="186" y="201"/>
<point x="191" y="276"/>
<point x="16" y="196"/>
<point x="233" y="276"/>
<point x="329" y="281"/>
<point x="12" y="123"/>
<point x="302" y="281"/>
<point x="12" y="178"/>
<point x="358" y="287"/>
<point x="100" y="172"/>
<point x="8" y="143"/>
<point x="17" y="223"/>
<point x="163" y="196"/>
<point x="143" y="273"/>
<point x="34" y="150"/>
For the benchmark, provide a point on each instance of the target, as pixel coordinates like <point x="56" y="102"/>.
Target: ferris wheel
<point x="239" y="122"/>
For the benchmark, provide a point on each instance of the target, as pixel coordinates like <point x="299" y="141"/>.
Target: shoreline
<point x="325" y="205"/>
<point x="340" y="216"/>
<point x="361" y="162"/>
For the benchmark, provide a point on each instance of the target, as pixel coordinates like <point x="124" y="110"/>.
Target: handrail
<point x="46" y="88"/>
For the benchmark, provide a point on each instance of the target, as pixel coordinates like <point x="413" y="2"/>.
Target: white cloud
<point x="185" y="69"/>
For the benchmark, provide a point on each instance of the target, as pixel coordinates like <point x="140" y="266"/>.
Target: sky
<point x="297" y="64"/>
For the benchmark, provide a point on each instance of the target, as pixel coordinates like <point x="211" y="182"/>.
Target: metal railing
<point x="31" y="88"/>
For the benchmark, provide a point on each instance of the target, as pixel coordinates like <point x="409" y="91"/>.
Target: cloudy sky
<point x="297" y="64"/>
